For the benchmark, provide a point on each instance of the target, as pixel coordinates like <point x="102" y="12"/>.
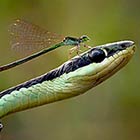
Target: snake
<point x="72" y="78"/>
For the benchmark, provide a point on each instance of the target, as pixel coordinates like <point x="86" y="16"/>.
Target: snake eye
<point x="97" y="55"/>
<point x="123" y="45"/>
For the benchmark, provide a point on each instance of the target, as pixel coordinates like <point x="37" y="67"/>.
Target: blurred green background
<point x="110" y="111"/>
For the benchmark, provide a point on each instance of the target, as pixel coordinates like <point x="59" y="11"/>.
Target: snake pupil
<point x="97" y="55"/>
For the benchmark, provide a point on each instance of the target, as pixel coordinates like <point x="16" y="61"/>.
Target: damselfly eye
<point x="97" y="55"/>
<point x="84" y="38"/>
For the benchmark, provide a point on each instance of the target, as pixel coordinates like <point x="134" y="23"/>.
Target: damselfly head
<point x="84" y="38"/>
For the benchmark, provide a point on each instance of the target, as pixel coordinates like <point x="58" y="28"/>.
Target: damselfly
<point x="25" y="35"/>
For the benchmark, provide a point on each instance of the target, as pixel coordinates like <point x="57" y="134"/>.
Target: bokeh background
<point x="110" y="111"/>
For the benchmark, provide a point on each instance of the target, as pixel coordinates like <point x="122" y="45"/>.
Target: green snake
<point x="72" y="78"/>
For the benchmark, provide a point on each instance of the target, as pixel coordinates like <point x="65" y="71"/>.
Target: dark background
<point x="110" y="111"/>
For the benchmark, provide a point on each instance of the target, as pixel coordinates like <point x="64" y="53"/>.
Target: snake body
<point x="72" y="78"/>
